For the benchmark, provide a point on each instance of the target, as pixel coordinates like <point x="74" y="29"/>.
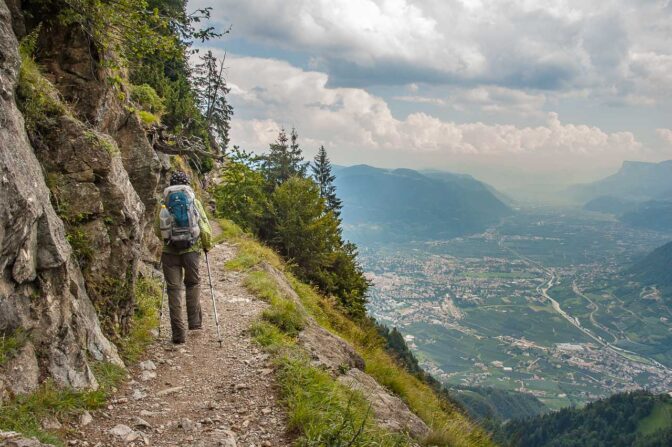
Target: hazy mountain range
<point x="639" y="194"/>
<point x="656" y="270"/>
<point x="403" y="204"/>
<point x="636" y="181"/>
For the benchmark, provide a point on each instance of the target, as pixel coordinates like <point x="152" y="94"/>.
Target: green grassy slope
<point x="304" y="388"/>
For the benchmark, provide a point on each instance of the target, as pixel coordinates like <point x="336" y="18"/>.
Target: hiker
<point x="184" y="228"/>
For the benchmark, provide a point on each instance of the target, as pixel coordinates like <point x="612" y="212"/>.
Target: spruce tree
<point x="324" y="178"/>
<point x="284" y="160"/>
<point x="211" y="91"/>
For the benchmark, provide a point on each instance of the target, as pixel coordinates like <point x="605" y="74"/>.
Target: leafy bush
<point x="241" y="196"/>
<point x="147" y="99"/>
<point x="148" y="118"/>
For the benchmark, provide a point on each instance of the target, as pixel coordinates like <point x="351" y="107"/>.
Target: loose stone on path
<point x="197" y="394"/>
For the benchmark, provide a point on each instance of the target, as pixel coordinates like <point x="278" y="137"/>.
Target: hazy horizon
<point x="518" y="93"/>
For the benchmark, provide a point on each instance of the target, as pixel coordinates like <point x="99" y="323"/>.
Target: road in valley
<point x="575" y="288"/>
<point x="543" y="291"/>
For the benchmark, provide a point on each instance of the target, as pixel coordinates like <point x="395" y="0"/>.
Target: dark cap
<point x="179" y="178"/>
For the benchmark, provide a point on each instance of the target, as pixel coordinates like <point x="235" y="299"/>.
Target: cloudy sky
<point x="515" y="92"/>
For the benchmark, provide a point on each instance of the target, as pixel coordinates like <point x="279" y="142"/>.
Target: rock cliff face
<point x="78" y="193"/>
<point x="42" y="291"/>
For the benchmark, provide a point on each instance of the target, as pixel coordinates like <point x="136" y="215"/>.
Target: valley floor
<point x="199" y="394"/>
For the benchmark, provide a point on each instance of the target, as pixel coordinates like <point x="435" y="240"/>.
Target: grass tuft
<point x="11" y="344"/>
<point x="324" y="412"/>
<point x="229" y="231"/>
<point x="286" y="317"/>
<point x="282" y="313"/>
<point x="250" y="252"/>
<point x="39" y="101"/>
<point x="270" y="336"/>
<point x="108" y="375"/>
<point x="148" y="299"/>
<point x="24" y="414"/>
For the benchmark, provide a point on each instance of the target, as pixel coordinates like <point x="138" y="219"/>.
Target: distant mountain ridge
<point x="639" y="194"/>
<point x="656" y="269"/>
<point x="653" y="214"/>
<point x="636" y="181"/>
<point x="403" y="204"/>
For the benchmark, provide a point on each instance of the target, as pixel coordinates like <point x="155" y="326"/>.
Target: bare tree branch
<point x="172" y="144"/>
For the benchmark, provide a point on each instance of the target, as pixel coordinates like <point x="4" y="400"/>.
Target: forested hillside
<point x="623" y="420"/>
<point x="403" y="204"/>
<point x="655" y="270"/>
<point x="653" y="215"/>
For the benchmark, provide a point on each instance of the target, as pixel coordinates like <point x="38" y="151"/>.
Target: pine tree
<point x="211" y="91"/>
<point x="298" y="166"/>
<point x="324" y="178"/>
<point x="304" y="234"/>
<point x="284" y="160"/>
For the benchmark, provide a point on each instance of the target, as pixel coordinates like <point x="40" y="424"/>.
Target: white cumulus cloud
<point x="269" y="94"/>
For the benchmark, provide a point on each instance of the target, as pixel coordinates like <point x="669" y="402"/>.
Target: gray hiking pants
<point x="175" y="269"/>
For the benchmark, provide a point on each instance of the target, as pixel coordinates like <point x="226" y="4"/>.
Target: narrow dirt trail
<point x="199" y="394"/>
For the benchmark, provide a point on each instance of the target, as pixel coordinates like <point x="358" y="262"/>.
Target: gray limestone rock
<point x="390" y="411"/>
<point x="12" y="439"/>
<point x="42" y="291"/>
<point x="22" y="371"/>
<point x="328" y="350"/>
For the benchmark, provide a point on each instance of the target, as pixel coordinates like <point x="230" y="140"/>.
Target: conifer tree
<point x="324" y="178"/>
<point x="284" y="160"/>
<point x="211" y="91"/>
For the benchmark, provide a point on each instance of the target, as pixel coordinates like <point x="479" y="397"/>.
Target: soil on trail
<point x="198" y="394"/>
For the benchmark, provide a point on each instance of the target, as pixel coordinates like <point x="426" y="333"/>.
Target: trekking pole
<point x="163" y="291"/>
<point x="214" y="305"/>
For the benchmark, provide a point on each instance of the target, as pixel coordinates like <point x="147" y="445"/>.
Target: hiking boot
<point x="196" y="328"/>
<point x="178" y="341"/>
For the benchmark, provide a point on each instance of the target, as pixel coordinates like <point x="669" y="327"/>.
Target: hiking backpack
<point x="179" y="217"/>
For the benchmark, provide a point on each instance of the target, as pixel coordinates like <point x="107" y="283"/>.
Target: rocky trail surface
<point x="198" y="394"/>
